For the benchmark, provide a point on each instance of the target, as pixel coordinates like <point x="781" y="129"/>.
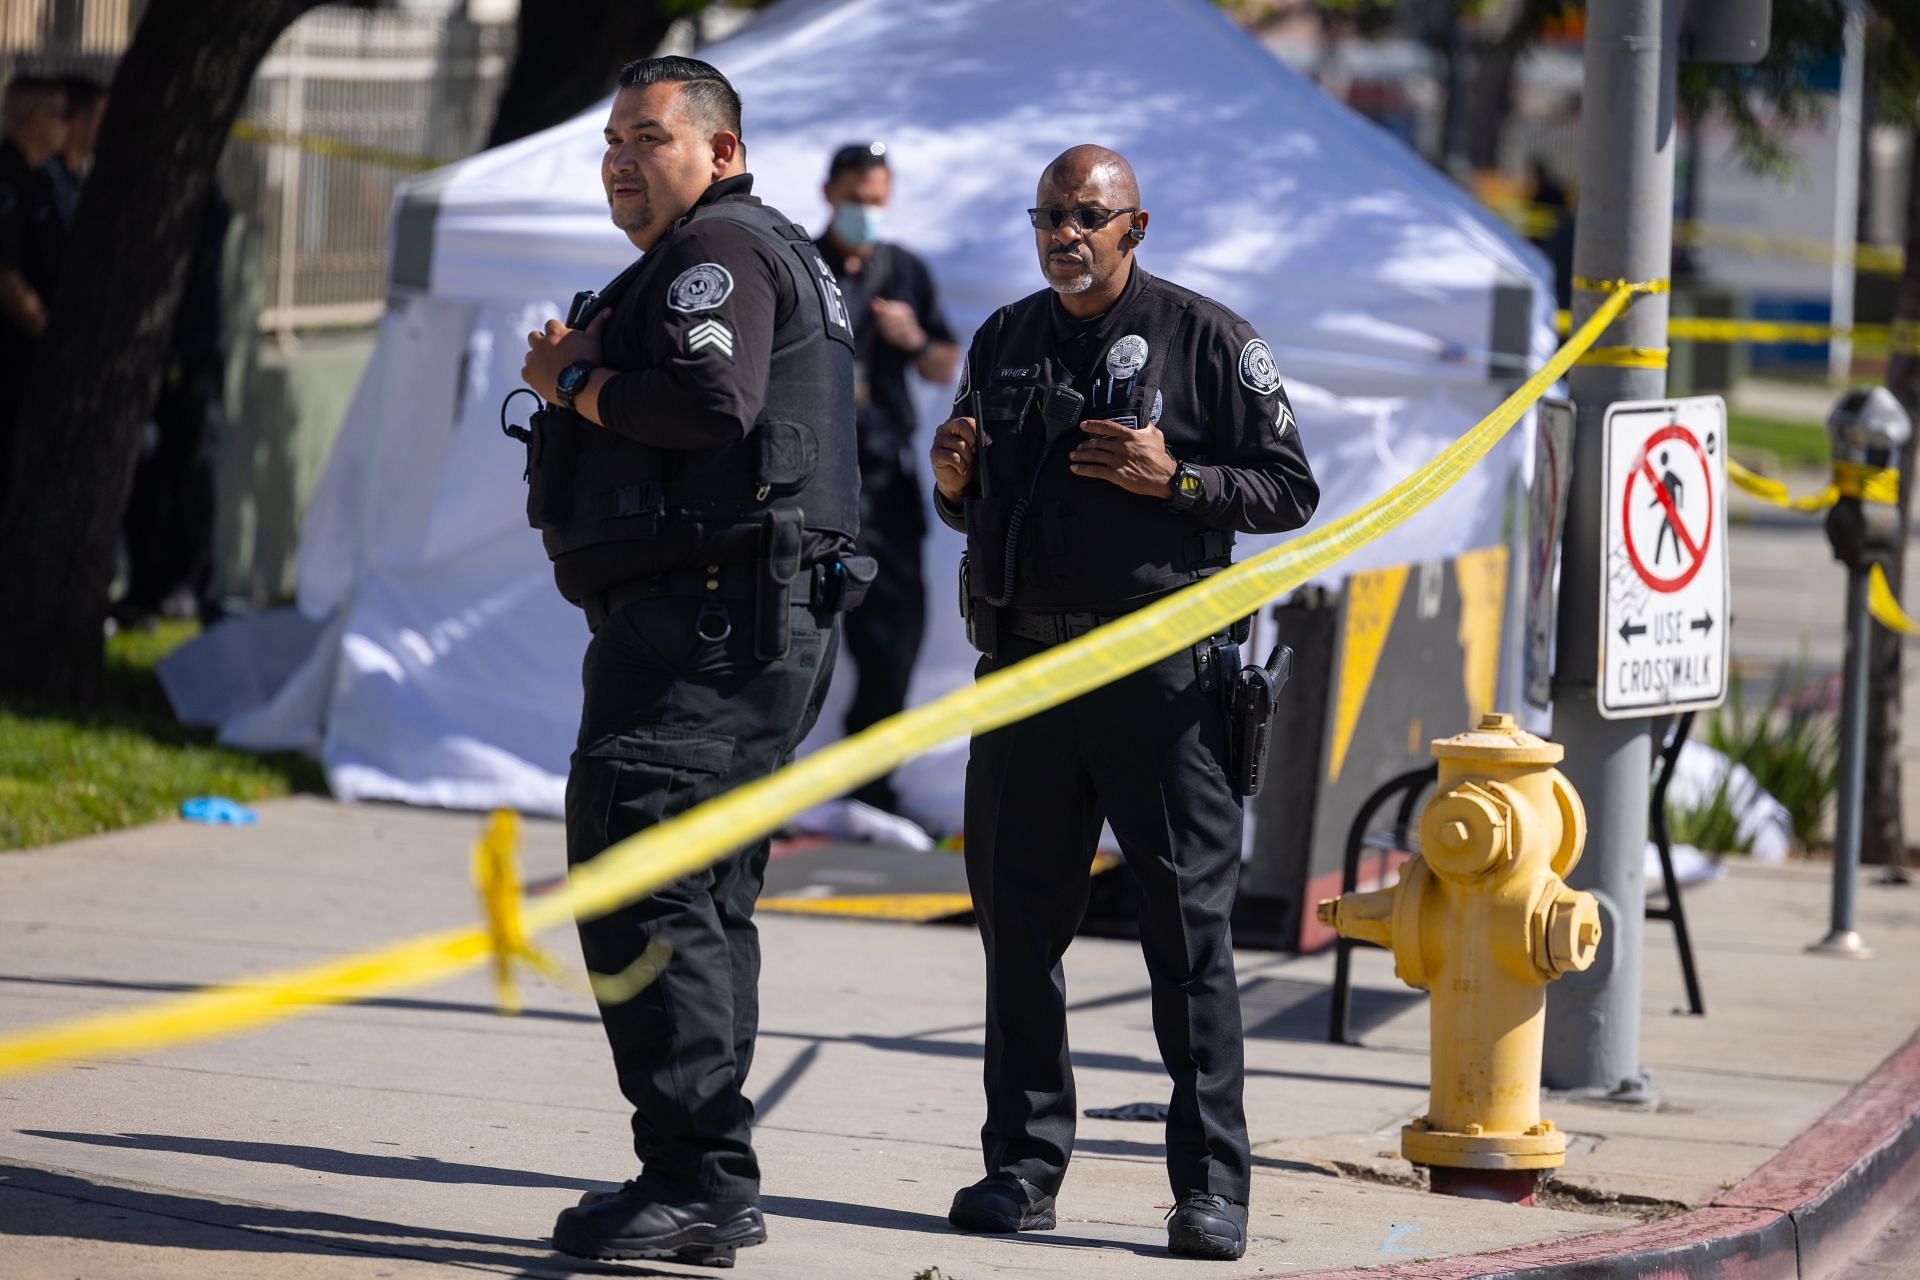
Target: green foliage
<point x="1794" y="444"/>
<point x="1790" y="743"/>
<point x="1713" y="826"/>
<point x="65" y="774"/>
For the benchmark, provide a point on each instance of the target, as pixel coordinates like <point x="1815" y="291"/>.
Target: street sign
<point x="1663" y="608"/>
<point x="1546" y="517"/>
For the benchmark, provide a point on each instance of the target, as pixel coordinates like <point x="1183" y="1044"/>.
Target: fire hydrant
<point x="1483" y="920"/>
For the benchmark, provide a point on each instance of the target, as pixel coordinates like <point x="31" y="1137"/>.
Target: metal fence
<point x="347" y="105"/>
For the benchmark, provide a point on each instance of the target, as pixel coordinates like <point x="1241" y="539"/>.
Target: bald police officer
<point x="1114" y="431"/>
<point x="693" y="475"/>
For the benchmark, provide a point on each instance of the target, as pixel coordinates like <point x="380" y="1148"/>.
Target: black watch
<point x="1187" y="489"/>
<point x="571" y="380"/>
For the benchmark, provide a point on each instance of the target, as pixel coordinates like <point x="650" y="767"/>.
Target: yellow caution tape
<point x="1885" y="607"/>
<point x="334" y="148"/>
<point x="709" y="832"/>
<point x="1869" y="484"/>
<point x="1538" y="220"/>
<point x="1627" y="357"/>
<point x="1776" y="493"/>
<point x="1850" y="480"/>
<point x="1587" y="284"/>
<point x="1900" y="338"/>
<point x="496" y="875"/>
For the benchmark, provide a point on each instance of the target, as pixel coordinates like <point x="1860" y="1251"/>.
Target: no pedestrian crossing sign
<point x="1663" y="607"/>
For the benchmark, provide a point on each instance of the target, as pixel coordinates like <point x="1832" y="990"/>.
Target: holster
<point x="553" y="449"/>
<point x="981" y="618"/>
<point x="773" y="588"/>
<point x="1253" y="695"/>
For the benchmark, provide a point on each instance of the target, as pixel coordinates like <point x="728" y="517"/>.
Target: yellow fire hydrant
<point x="1483" y="920"/>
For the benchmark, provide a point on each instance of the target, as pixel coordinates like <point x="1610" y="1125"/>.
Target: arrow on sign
<point x="1703" y="624"/>
<point x="1628" y="631"/>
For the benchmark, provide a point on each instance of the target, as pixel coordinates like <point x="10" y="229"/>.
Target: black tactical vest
<point x="1074" y="542"/>
<point x="589" y="486"/>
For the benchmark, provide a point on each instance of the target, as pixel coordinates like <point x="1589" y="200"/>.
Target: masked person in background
<point x="897" y="326"/>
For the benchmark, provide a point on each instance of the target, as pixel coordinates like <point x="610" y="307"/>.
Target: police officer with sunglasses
<point x="1112" y="433"/>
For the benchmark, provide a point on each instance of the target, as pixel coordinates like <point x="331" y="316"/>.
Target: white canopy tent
<point x="444" y="666"/>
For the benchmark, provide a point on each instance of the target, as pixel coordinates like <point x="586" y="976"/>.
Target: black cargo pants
<point x="671" y="720"/>
<point x="1146" y="753"/>
<point x="884" y="635"/>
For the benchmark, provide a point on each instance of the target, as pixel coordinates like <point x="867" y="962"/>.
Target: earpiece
<point x="1136" y="234"/>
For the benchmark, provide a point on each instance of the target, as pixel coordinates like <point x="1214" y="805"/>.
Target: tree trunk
<point x="568" y="56"/>
<point x="97" y="370"/>
<point x="1882" y="836"/>
<point x="1489" y="103"/>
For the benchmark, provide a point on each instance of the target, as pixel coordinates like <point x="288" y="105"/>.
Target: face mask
<point x="858" y="225"/>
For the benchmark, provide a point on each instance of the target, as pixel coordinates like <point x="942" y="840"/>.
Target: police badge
<point x="1126" y="357"/>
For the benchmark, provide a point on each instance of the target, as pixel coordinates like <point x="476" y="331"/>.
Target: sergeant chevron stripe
<point x="710" y="333"/>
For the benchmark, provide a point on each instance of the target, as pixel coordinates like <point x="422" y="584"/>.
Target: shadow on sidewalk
<point x="326" y="1160"/>
<point x="379" y="1002"/>
<point x="1082" y="1059"/>
<point x="31" y="1204"/>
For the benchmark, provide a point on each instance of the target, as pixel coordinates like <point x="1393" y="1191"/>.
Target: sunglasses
<point x="1087" y="219"/>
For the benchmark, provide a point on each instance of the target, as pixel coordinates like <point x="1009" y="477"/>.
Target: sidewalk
<point x="423" y="1135"/>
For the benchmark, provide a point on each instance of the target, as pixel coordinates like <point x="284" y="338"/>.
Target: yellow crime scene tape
<point x="334" y="148"/>
<point x="1537" y="220"/>
<point x="1879" y="485"/>
<point x="696" y="839"/>
<point x="1901" y="338"/>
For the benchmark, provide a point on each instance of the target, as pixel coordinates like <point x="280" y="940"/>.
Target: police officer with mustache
<point x="1115" y="430"/>
<point x="693" y="476"/>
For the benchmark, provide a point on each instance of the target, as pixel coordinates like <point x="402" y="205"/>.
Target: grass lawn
<point x="126" y="761"/>
<point x="1795" y="444"/>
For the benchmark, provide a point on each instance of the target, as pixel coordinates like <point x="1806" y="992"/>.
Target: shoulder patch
<point x="700" y="288"/>
<point x="1258" y="373"/>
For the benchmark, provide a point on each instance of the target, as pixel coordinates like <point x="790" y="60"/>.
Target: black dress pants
<point x="671" y="720"/>
<point x="884" y="634"/>
<point x="1146" y="753"/>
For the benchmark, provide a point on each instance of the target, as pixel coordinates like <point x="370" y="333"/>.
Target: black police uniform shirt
<point x="1163" y="356"/>
<point x="881" y="388"/>
<point x="691" y="379"/>
<point x="33" y="239"/>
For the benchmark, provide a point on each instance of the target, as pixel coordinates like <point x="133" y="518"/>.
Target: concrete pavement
<point x="425" y="1135"/>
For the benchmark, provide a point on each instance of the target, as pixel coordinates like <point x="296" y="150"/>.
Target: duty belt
<point x="710" y="582"/>
<point x="1051" y="628"/>
<point x="1058" y="628"/>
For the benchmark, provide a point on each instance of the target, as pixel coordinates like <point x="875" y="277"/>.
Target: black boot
<point x="1002" y="1202"/>
<point x="1203" y="1225"/>
<point x="634" y="1222"/>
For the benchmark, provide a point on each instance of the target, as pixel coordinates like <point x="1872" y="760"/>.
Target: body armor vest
<point x="1040" y="537"/>
<point x="796" y="468"/>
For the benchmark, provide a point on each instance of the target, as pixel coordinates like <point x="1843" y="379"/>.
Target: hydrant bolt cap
<point x="1573" y="933"/>
<point x="1498" y="738"/>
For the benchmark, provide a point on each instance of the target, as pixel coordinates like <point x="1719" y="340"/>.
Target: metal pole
<point x="1841" y="938"/>
<point x="1624" y="231"/>
<point x="1846" y="193"/>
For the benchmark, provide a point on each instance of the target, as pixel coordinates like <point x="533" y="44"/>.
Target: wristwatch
<point x="1187" y="489"/>
<point x="571" y="380"/>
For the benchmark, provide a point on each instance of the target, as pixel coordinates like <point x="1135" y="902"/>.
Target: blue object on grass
<point x="217" y="810"/>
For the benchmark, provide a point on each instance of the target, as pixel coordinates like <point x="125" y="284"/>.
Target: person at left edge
<point x="694" y="480"/>
<point x="897" y="327"/>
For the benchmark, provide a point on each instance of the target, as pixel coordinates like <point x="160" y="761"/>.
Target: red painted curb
<point x="1807" y="1208"/>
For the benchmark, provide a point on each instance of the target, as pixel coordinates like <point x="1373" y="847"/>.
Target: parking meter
<point x="1868" y="429"/>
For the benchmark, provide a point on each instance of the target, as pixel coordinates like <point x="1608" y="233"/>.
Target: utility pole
<point x="1624" y="231"/>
